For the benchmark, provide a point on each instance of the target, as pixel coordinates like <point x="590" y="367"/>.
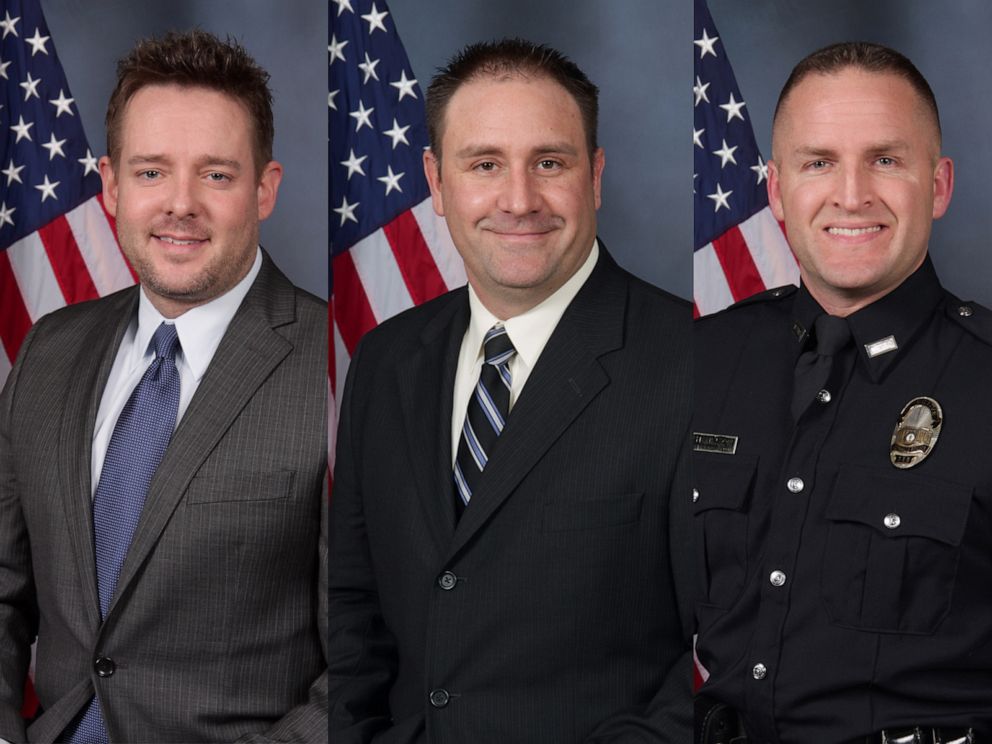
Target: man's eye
<point x="548" y="164"/>
<point x="818" y="165"/>
<point x="149" y="175"/>
<point x="487" y="166"/>
<point x="218" y="177"/>
<point x="885" y="160"/>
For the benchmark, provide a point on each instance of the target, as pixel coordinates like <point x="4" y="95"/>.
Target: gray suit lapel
<point x="426" y="381"/>
<point x="567" y="377"/>
<point x="82" y="400"/>
<point x="247" y="355"/>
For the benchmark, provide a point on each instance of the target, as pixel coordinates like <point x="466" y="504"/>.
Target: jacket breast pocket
<point x="213" y="489"/>
<point x="588" y="514"/>
<point x="721" y="499"/>
<point x="892" y="550"/>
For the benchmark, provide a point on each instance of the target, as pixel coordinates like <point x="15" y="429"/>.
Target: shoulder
<point x="974" y="318"/>
<point x="408" y="329"/>
<point x="68" y="324"/>
<point x="770" y="303"/>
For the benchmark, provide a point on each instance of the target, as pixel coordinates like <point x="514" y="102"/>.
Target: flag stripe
<point x="774" y="261"/>
<point x="413" y="258"/>
<point x="98" y="247"/>
<point x="380" y="275"/>
<point x="35" y="276"/>
<point x="352" y="313"/>
<point x="435" y="231"/>
<point x="68" y="266"/>
<point x="15" y="321"/>
<point x="710" y="286"/>
<point x="735" y="258"/>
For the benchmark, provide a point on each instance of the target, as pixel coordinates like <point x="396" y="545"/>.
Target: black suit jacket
<point x="550" y="612"/>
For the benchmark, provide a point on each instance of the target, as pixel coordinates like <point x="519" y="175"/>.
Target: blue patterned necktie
<point x="136" y="447"/>
<point x="486" y="414"/>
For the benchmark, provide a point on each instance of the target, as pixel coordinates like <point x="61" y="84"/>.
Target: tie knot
<point x="497" y="347"/>
<point x="165" y="341"/>
<point x="832" y="334"/>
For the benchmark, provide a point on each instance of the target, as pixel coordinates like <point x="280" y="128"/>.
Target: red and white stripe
<point x="405" y="263"/>
<point x="749" y="258"/>
<point x="73" y="258"/>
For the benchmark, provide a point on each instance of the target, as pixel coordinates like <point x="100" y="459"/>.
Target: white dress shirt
<point x="200" y="331"/>
<point x="529" y="333"/>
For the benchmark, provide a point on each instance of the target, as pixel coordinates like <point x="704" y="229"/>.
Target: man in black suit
<point x="508" y="524"/>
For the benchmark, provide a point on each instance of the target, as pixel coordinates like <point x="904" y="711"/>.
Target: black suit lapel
<point x="426" y="381"/>
<point x="567" y="377"/>
<point x="82" y="402"/>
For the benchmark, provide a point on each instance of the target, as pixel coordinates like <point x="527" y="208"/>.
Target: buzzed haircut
<point x="507" y="58"/>
<point x="194" y="59"/>
<point x="860" y="55"/>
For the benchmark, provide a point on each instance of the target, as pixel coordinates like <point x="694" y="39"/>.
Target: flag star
<point x="13" y="172"/>
<point x="347" y="211"/>
<point x="720" y="198"/>
<point x="47" y="189"/>
<point x="392" y="180"/>
<point x="733" y="108"/>
<point x="88" y="163"/>
<point x="699" y="90"/>
<point x="5" y="214"/>
<point x="760" y="170"/>
<point x="354" y="164"/>
<point x="726" y="154"/>
<point x="30" y="87"/>
<point x="405" y="86"/>
<point x="343" y="5"/>
<point x="62" y="104"/>
<point x="37" y="42"/>
<point x="705" y="44"/>
<point x="336" y="49"/>
<point x="362" y="116"/>
<point x="8" y="24"/>
<point x="54" y="147"/>
<point x="22" y="130"/>
<point x="3" y="69"/>
<point x="697" y="137"/>
<point x="397" y="134"/>
<point x="330" y="99"/>
<point x="368" y="67"/>
<point x="375" y="19"/>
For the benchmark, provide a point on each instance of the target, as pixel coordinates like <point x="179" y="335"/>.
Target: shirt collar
<point x="530" y="330"/>
<point x="200" y="329"/>
<point x="883" y="329"/>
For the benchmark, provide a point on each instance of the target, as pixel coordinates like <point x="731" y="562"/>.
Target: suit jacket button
<point x="104" y="666"/>
<point x="447" y="581"/>
<point x="440" y="698"/>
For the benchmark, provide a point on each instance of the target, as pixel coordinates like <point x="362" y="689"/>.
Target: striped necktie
<point x="486" y="414"/>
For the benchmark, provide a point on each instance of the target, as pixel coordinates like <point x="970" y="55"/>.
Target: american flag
<point x="738" y="248"/>
<point x="57" y="243"/>
<point x="389" y="251"/>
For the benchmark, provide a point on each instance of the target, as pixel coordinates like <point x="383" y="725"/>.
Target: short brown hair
<point x="194" y="59"/>
<point x="861" y="55"/>
<point x="505" y="58"/>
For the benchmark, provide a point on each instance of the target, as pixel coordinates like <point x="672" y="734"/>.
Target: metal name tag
<point x="916" y="432"/>
<point x="722" y="444"/>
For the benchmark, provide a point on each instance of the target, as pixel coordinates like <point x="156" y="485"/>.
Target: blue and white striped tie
<point x="486" y="414"/>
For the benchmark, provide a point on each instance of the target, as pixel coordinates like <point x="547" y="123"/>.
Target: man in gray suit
<point x="163" y="449"/>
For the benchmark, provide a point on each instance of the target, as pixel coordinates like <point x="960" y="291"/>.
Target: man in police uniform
<point x="843" y="492"/>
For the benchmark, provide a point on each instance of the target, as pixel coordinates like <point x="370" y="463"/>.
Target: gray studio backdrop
<point x="289" y="39"/>
<point x="637" y="52"/>
<point x="948" y="41"/>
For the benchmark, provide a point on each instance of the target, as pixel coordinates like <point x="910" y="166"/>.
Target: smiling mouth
<point x="854" y="231"/>
<point x="180" y="241"/>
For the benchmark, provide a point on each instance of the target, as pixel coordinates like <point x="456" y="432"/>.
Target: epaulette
<point x="974" y="318"/>
<point x="769" y="295"/>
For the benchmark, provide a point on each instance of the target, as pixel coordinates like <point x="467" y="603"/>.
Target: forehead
<point x="516" y="106"/>
<point x="855" y="103"/>
<point x="154" y="108"/>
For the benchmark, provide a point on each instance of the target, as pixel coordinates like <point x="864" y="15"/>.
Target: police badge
<point x="916" y="432"/>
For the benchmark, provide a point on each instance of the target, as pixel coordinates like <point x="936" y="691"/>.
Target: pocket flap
<point x="722" y="481"/>
<point x="901" y="504"/>
<point x="609" y="511"/>
<point x="209" y="489"/>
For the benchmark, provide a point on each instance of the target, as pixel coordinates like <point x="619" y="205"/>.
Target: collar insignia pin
<point x="916" y="432"/>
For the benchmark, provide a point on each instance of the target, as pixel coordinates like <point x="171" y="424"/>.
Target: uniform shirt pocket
<point x="892" y="549"/>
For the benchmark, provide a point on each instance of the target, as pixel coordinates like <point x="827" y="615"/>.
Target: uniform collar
<point x="883" y="329"/>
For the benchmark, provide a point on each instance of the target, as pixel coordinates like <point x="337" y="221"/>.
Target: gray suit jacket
<point x="218" y="624"/>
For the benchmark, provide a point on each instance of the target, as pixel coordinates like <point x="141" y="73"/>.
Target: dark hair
<point x="865" y="56"/>
<point x="194" y="59"/>
<point x="506" y="58"/>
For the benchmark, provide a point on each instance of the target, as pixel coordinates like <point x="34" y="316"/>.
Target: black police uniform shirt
<point x="843" y="595"/>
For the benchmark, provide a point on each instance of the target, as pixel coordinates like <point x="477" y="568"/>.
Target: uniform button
<point x="695" y="495"/>
<point x="795" y="485"/>
<point x="105" y="667"/>
<point x="447" y="581"/>
<point x="440" y="698"/>
<point x="892" y="521"/>
<point x="777" y="578"/>
<point x="759" y="671"/>
<point x="964" y="311"/>
<point x="823" y="396"/>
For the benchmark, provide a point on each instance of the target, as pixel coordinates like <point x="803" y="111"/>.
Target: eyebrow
<point x="877" y="147"/>
<point x="550" y="148"/>
<point x="155" y="158"/>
